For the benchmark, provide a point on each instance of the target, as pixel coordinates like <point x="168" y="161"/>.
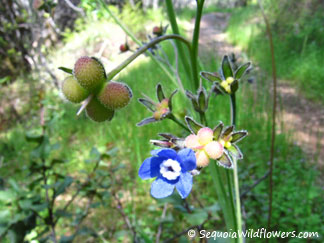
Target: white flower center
<point x="170" y="169"/>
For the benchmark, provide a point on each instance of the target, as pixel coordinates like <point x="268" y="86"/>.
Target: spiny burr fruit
<point x="97" y="112"/>
<point x="115" y="95"/>
<point x="73" y="91"/>
<point x="89" y="72"/>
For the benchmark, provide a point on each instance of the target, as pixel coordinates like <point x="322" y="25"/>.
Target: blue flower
<point x="172" y="171"/>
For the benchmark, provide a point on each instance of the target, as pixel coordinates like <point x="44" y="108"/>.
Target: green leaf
<point x="25" y="204"/>
<point x="67" y="70"/>
<point x="228" y="130"/>
<point x="5" y="216"/>
<point x="190" y="95"/>
<point x="218" y="130"/>
<point x="170" y="99"/>
<point x="61" y="186"/>
<point x="197" y="217"/>
<point x="39" y="207"/>
<point x="7" y="196"/>
<point x="234" y="150"/>
<point x="62" y="213"/>
<point x="57" y="161"/>
<point x="193" y="125"/>
<point x="4" y="79"/>
<point x="159" y="92"/>
<point x="238" y="136"/>
<point x="147" y="103"/>
<point x="226" y="67"/>
<point x="95" y="156"/>
<point x="225" y="161"/>
<point x="146" y="121"/>
<point x="33" y="136"/>
<point x="234" y="86"/>
<point x="202" y="100"/>
<point x="212" y="77"/>
<point x="241" y="70"/>
<point x="14" y="185"/>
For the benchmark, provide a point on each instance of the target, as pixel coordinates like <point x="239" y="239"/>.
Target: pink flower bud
<point x="214" y="150"/>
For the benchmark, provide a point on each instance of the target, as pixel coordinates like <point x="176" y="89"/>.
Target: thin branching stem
<point x="176" y="120"/>
<point x="132" y="36"/>
<point x="274" y="108"/>
<point x="143" y="49"/>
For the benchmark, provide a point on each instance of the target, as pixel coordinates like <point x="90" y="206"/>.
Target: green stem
<point x="175" y="30"/>
<point x="236" y="180"/>
<point x="222" y="196"/>
<point x="233" y="109"/>
<point x="195" y="40"/>
<point x="238" y="201"/>
<point x="203" y="118"/>
<point x="138" y="42"/>
<point x="143" y="49"/>
<point x="229" y="179"/>
<point x="173" y="118"/>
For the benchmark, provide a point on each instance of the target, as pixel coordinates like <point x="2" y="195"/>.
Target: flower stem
<point x="238" y="201"/>
<point x="195" y="40"/>
<point x="203" y="118"/>
<point x="236" y="180"/>
<point x="175" y="30"/>
<point x="222" y="195"/>
<point x="176" y="120"/>
<point x="233" y="109"/>
<point x="143" y="49"/>
<point x="132" y="36"/>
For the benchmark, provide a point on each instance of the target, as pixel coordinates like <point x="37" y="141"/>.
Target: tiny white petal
<point x="170" y="169"/>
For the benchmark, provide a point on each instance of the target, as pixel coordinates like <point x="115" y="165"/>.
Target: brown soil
<point x="302" y="119"/>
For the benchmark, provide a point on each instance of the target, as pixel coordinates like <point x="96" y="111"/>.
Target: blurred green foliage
<point x="297" y="196"/>
<point x="298" y="34"/>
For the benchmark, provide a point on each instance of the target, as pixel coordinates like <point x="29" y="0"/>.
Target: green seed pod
<point x="115" y="95"/>
<point x="97" y="112"/>
<point x="89" y="72"/>
<point x="73" y="91"/>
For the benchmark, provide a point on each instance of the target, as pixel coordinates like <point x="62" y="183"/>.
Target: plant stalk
<point x="173" y="118"/>
<point x="143" y="49"/>
<point x="195" y="40"/>
<point x="274" y="109"/>
<point x="175" y="30"/>
<point x="132" y="36"/>
<point x="235" y="173"/>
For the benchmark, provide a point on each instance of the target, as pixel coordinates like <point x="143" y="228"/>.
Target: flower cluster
<point x="160" y="110"/>
<point x="218" y="144"/>
<point x="227" y="80"/>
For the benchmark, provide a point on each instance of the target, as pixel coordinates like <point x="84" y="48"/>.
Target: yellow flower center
<point x="226" y="84"/>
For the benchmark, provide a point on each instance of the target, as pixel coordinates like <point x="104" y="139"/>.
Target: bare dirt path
<point x="303" y="119"/>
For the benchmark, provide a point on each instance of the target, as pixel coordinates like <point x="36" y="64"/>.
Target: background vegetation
<point x="99" y="162"/>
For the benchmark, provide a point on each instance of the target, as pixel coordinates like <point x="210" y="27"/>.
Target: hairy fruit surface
<point x="89" y="72"/>
<point x="97" y="112"/>
<point x="73" y="91"/>
<point x="115" y="95"/>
